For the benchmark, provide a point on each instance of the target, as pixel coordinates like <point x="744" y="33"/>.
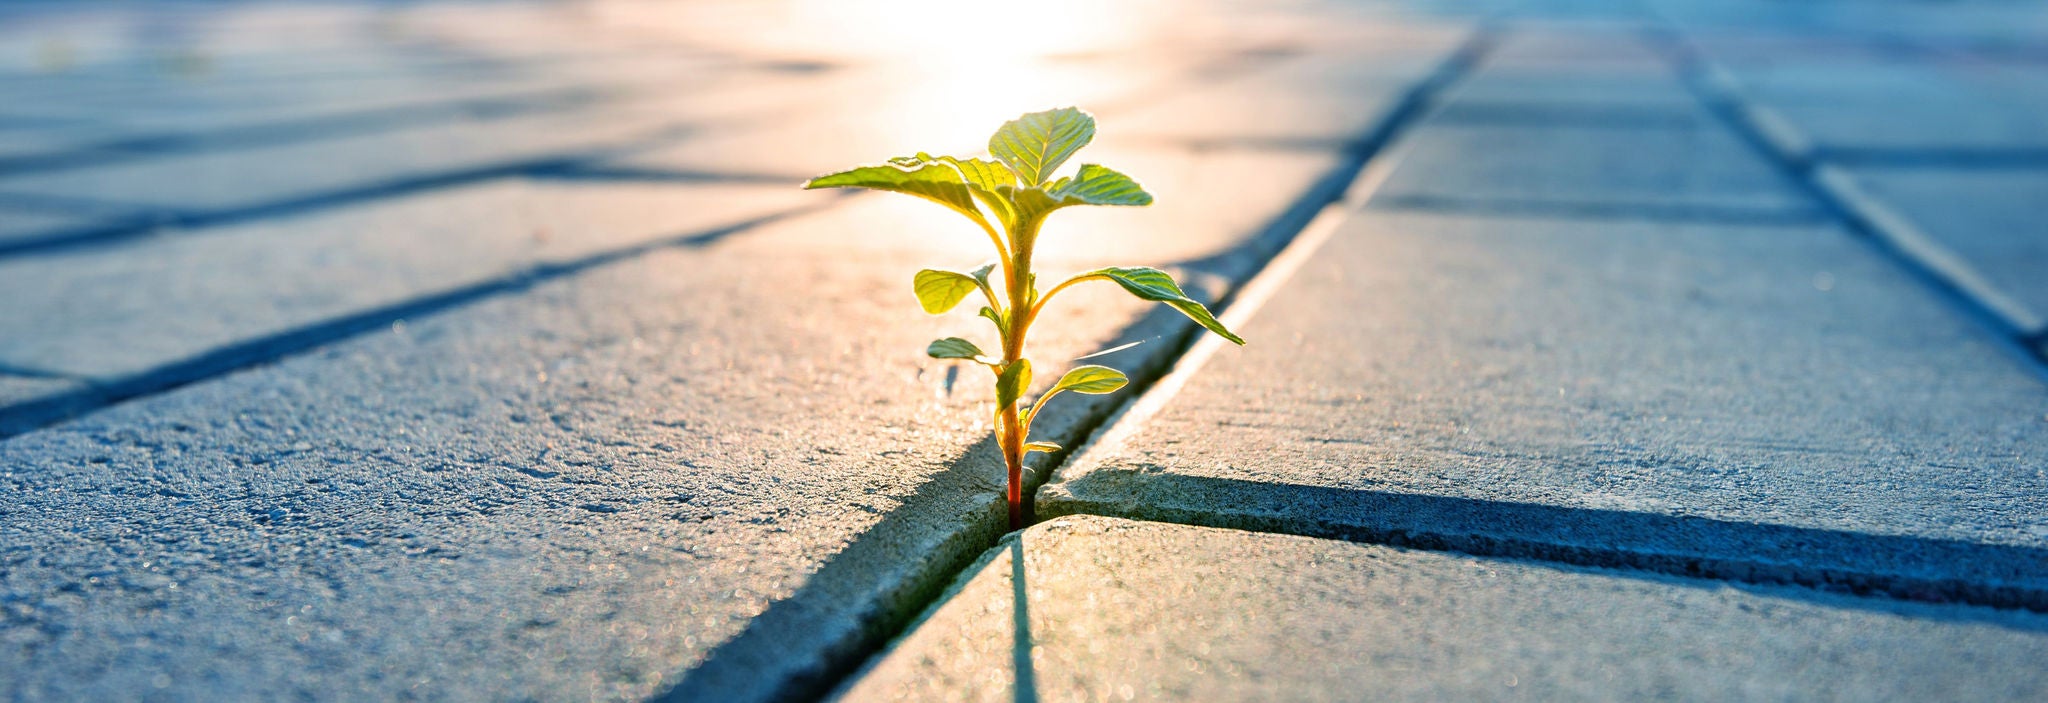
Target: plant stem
<point x="1013" y="455"/>
<point x="1018" y="277"/>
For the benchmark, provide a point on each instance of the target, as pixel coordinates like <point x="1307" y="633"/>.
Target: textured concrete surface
<point x="17" y="389"/>
<point x="523" y="499"/>
<point x="619" y="482"/>
<point x="423" y="364"/>
<point x="250" y="177"/>
<point x="1675" y="163"/>
<point x="1754" y="402"/>
<point x="179" y="296"/>
<point x="1992" y="219"/>
<point x="1091" y="608"/>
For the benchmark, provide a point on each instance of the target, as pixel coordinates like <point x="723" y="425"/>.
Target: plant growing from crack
<point x="1009" y="198"/>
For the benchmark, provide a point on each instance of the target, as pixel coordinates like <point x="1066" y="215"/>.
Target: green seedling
<point x="1009" y="198"/>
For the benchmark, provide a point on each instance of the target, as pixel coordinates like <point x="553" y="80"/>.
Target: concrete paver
<point x="1539" y="84"/>
<point x="176" y="297"/>
<point x="18" y="389"/>
<point x="610" y="481"/>
<point x="23" y="225"/>
<point x="1680" y="163"/>
<point x="431" y="418"/>
<point x="579" y="492"/>
<point x="246" y="178"/>
<point x="1990" y="218"/>
<point x="1773" y="403"/>
<point x="1321" y="98"/>
<point x="1892" y="106"/>
<point x="1091" y="608"/>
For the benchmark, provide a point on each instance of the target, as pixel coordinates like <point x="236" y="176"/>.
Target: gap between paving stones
<point x="1262" y="262"/>
<point x="285" y="131"/>
<point x="155" y="224"/>
<point x="1133" y="416"/>
<point x="592" y="165"/>
<point x="2021" y="331"/>
<point x="125" y="224"/>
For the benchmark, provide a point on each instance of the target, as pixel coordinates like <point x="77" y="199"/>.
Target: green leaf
<point x="1093" y="185"/>
<point x="990" y="313"/>
<point x="1099" y="185"/>
<point x="1091" y="379"/>
<point x="1012" y="382"/>
<point x="1041" y="446"/>
<point x="940" y="290"/>
<point x="954" y="348"/>
<point x="986" y="179"/>
<point x="1153" y="284"/>
<point x="919" y="175"/>
<point x="1035" y="145"/>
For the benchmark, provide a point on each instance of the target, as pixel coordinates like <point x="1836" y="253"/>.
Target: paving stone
<point x="1990" y="218"/>
<point x="1546" y="68"/>
<point x="1896" y="106"/>
<point x="177" y="297"/>
<point x="726" y="465"/>
<point x="245" y="178"/>
<point x="900" y="111"/>
<point x="582" y="492"/>
<point x="1316" y="99"/>
<point x="1090" y="608"/>
<point x="1575" y="43"/>
<point x="25" y="225"/>
<point x="16" y="389"/>
<point x="1617" y="88"/>
<point x="1675" y="164"/>
<point x="1769" y="403"/>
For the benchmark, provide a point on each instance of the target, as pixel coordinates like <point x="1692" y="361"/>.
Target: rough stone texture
<point x="243" y="178"/>
<point x="1090" y="608"/>
<point x="584" y="491"/>
<point x="175" y="297"/>
<point x="672" y="466"/>
<point x="1765" y="403"/>
<point x="16" y="389"/>
<point x="1667" y="163"/>
<point x="1992" y="219"/>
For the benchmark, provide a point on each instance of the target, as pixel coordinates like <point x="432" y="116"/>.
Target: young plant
<point x="1009" y="199"/>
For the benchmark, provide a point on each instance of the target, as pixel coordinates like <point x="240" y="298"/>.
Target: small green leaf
<point x="1041" y="446"/>
<point x="982" y="173"/>
<point x="917" y="175"/>
<point x="990" y="313"/>
<point x="1153" y="284"/>
<point x="1100" y="185"/>
<point x="1094" y="185"/>
<point x="1091" y="379"/>
<point x="939" y="290"/>
<point x="1012" y="382"/>
<point x="987" y="179"/>
<point x="954" y="348"/>
<point x="1035" y="145"/>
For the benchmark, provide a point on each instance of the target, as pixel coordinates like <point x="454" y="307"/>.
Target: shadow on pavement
<point x="1899" y="566"/>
